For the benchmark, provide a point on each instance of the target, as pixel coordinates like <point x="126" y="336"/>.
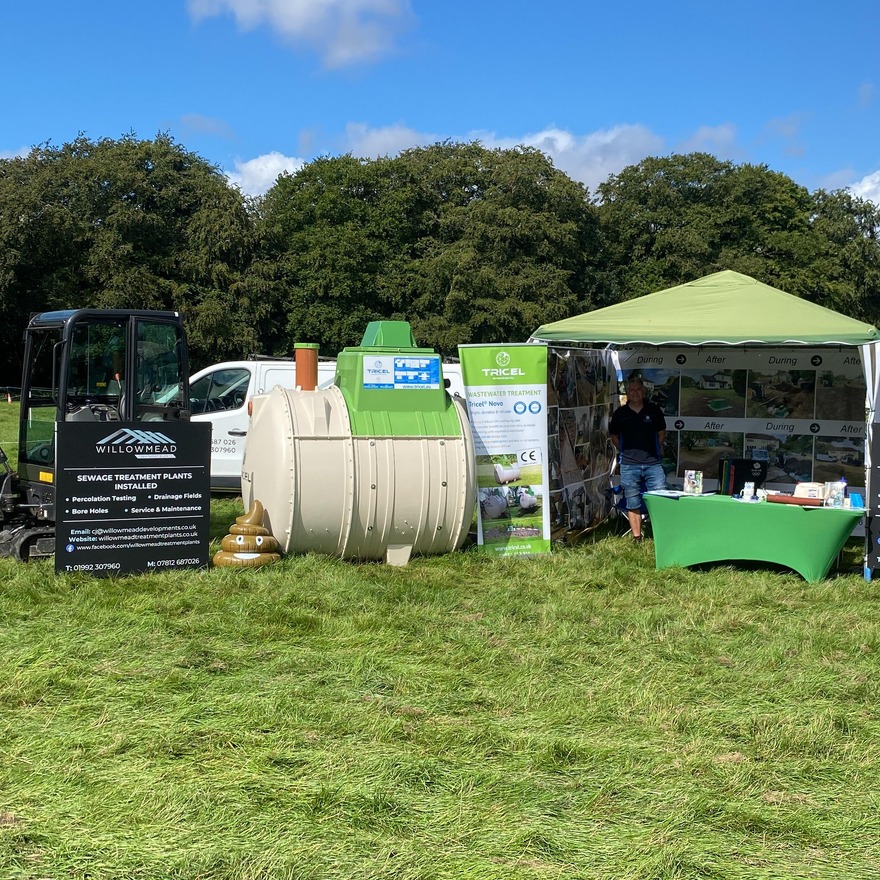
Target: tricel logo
<point x="503" y="370"/>
<point x="141" y="444"/>
<point x="379" y="367"/>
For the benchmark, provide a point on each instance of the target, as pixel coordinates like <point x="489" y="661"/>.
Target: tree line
<point x="468" y="244"/>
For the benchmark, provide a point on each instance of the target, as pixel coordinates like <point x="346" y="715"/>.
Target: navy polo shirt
<point x="639" y="443"/>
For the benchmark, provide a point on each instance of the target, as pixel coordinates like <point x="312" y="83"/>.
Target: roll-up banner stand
<point x="506" y="387"/>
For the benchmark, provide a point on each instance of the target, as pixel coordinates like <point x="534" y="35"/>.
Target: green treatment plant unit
<point x="393" y="388"/>
<point x="379" y="465"/>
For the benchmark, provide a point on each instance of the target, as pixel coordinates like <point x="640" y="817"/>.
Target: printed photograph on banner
<point x="570" y="471"/>
<point x="555" y="468"/>
<point x="836" y="457"/>
<point x="562" y="389"/>
<point x="583" y="425"/>
<point x="580" y="454"/>
<point x="555" y="371"/>
<point x="661" y="388"/>
<point x="840" y="393"/>
<point x="582" y="457"/>
<point x="579" y="506"/>
<point x="789" y="458"/>
<point x="669" y="454"/>
<point x="594" y="452"/>
<point x="552" y="420"/>
<point x="596" y="491"/>
<point x="592" y="379"/>
<point x="509" y="468"/>
<point x="558" y="510"/>
<point x="710" y="392"/>
<point x="703" y="451"/>
<point x="783" y="394"/>
<point x="510" y="513"/>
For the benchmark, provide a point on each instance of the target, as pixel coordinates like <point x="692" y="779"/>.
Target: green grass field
<point x="575" y="715"/>
<point x="9" y="430"/>
<point x="579" y="715"/>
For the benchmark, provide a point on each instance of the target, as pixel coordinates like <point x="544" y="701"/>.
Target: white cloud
<point x="839" y="179"/>
<point x="868" y="188"/>
<point x="370" y="143"/>
<point x="589" y="158"/>
<point x="20" y="153"/>
<point x="256" y="176"/>
<point x="343" y="32"/>
<point x="786" y="127"/>
<point x="719" y="140"/>
<point x="788" y="130"/>
<point x="195" y="122"/>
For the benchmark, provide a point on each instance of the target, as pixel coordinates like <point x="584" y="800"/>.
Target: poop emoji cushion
<point x="248" y="543"/>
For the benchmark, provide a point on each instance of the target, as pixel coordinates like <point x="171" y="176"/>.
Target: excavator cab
<point x="105" y="365"/>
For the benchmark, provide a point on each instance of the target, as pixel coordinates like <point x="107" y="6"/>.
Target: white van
<point x="219" y="394"/>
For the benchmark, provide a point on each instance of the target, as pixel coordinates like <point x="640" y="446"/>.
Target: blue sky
<point x="260" y="86"/>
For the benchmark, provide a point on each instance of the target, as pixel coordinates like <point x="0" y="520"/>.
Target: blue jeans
<point x="639" y="478"/>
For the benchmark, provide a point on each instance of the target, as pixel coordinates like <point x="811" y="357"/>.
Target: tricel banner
<point x="506" y="388"/>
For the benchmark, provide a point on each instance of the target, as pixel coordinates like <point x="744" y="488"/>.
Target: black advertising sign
<point x="873" y="533"/>
<point x="873" y="503"/>
<point x="132" y="498"/>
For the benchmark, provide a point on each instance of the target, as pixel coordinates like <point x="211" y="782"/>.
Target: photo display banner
<point x="132" y="498"/>
<point x="582" y="394"/>
<point x="801" y="410"/>
<point x="506" y="387"/>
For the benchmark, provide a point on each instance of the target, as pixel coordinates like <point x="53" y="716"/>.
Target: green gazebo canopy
<point x="725" y="308"/>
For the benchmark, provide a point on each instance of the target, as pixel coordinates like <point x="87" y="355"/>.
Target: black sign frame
<point x="132" y="498"/>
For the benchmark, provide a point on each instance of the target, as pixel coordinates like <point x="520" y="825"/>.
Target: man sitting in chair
<point x="638" y="431"/>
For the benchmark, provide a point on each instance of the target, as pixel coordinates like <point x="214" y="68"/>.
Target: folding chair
<point x="619" y="510"/>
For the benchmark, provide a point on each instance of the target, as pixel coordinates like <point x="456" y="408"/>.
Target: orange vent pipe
<point x="306" y="355"/>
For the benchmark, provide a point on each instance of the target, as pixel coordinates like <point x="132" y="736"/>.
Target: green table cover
<point x="693" y="529"/>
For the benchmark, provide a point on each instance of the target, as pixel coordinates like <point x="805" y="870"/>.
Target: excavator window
<point x="159" y="369"/>
<point x="38" y="407"/>
<point x="44" y="377"/>
<point x="96" y="366"/>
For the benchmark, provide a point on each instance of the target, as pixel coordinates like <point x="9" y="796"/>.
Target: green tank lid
<point x="393" y="388"/>
<point x="388" y="334"/>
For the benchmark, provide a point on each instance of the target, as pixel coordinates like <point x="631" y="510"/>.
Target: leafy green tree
<point x="504" y="242"/>
<point x="848" y="268"/>
<point x="657" y="222"/>
<point x="670" y="220"/>
<point x="468" y="244"/>
<point x="322" y="251"/>
<point x="764" y="228"/>
<point x="124" y="224"/>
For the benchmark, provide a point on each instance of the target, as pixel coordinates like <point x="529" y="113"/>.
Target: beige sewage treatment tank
<point x="379" y="466"/>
